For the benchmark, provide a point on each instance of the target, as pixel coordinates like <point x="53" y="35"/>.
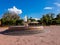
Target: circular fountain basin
<point x="35" y="28"/>
<point x="26" y="28"/>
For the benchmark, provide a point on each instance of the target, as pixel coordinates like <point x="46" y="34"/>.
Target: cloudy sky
<point x="31" y="8"/>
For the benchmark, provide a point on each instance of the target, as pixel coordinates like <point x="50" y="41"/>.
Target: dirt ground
<point x="50" y="36"/>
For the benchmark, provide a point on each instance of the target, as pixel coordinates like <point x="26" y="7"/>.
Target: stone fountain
<point x="25" y="21"/>
<point x="26" y="26"/>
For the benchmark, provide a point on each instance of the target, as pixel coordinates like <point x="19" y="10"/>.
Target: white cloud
<point x="57" y="4"/>
<point x="36" y="18"/>
<point x="15" y="10"/>
<point x="48" y="8"/>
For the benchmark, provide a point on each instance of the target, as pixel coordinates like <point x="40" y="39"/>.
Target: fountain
<point x="26" y="26"/>
<point x="25" y="21"/>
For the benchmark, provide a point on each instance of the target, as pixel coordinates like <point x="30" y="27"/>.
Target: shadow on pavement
<point x="20" y="32"/>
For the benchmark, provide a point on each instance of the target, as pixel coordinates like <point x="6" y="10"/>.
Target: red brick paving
<point x="51" y="36"/>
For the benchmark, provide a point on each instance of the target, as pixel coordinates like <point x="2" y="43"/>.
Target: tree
<point x="58" y="19"/>
<point x="47" y="19"/>
<point x="31" y="19"/>
<point x="58" y="16"/>
<point x="9" y="18"/>
<point x="19" y="22"/>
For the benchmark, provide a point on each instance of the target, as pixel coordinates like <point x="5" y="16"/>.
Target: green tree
<point x="58" y="19"/>
<point x="47" y="19"/>
<point x="31" y="19"/>
<point x="9" y="18"/>
<point x="19" y="22"/>
<point x="58" y="16"/>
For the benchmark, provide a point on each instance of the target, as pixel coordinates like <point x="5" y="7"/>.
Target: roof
<point x="34" y="22"/>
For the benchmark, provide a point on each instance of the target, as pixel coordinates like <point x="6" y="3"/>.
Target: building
<point x="33" y="23"/>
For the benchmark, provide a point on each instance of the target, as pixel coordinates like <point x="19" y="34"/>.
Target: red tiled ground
<point x="51" y="36"/>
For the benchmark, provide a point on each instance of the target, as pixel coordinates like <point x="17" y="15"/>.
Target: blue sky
<point x="31" y="8"/>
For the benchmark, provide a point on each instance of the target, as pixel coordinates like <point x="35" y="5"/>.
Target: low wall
<point x="26" y="28"/>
